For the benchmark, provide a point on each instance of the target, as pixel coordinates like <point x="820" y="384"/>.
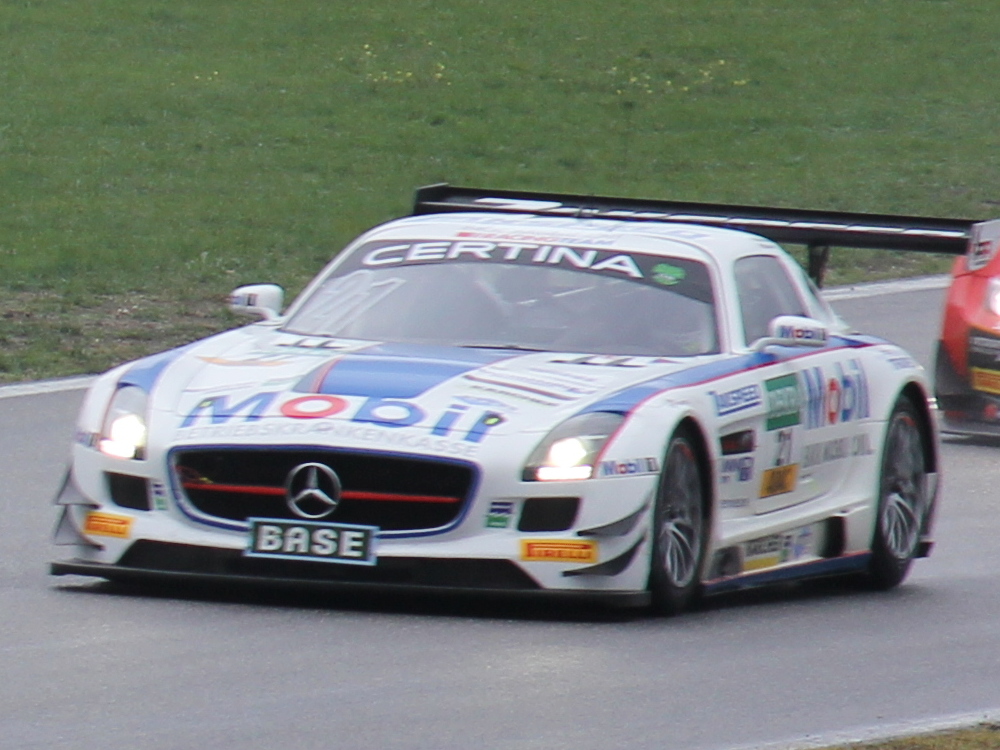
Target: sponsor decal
<point x="775" y="549"/>
<point x="738" y="399"/>
<point x="264" y="360"/>
<point x="779" y="480"/>
<point x="735" y="502"/>
<point x="983" y="244"/>
<point x="334" y="429"/>
<point x="668" y="275"/>
<point x="318" y="345"/>
<point x="987" y="381"/>
<point x="821" y="453"/>
<point x="682" y="276"/>
<point x="834" y="450"/>
<point x="499" y="514"/>
<point x="542" y="239"/>
<point x="629" y="466"/>
<point x="601" y="360"/>
<point x="844" y="397"/>
<point x="591" y="259"/>
<point x="784" y="402"/>
<point x="485" y="402"/>
<point x="311" y="540"/>
<point x="740" y="469"/>
<point x="108" y="524"/>
<point x="801" y="333"/>
<point x="457" y="421"/>
<point x="901" y="361"/>
<point x="985" y="345"/>
<point x="534" y="384"/>
<point x="557" y="550"/>
<point x="159" y="492"/>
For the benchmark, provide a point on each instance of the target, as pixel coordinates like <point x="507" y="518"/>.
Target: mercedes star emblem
<point x="312" y="490"/>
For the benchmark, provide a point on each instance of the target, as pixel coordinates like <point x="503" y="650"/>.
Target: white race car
<point x="520" y="393"/>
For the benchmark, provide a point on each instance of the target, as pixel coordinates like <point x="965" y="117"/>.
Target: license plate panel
<point x="339" y="543"/>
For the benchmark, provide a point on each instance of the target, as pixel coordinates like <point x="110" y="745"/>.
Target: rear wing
<point x="817" y="230"/>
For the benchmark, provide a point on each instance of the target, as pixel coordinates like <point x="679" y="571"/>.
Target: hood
<point x="256" y="374"/>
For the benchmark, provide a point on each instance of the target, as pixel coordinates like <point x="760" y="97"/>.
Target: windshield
<point x="520" y="296"/>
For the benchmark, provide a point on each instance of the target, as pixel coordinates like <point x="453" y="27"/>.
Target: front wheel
<point x="679" y="529"/>
<point x="902" y="505"/>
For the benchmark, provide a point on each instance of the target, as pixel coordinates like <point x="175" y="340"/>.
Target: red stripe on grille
<point x="353" y="495"/>
<point x="249" y="489"/>
<point x="246" y="489"/>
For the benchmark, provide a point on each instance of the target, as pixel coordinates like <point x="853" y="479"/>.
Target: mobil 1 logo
<point x="311" y="540"/>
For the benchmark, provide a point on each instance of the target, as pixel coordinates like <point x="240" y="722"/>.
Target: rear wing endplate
<point x="818" y="230"/>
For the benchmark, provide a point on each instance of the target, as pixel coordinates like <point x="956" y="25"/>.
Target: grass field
<point x="983" y="737"/>
<point x="155" y="155"/>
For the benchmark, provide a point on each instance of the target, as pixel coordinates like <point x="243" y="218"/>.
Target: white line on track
<point x="46" y="386"/>
<point x="834" y="294"/>
<point x="879" y="288"/>
<point x="881" y="733"/>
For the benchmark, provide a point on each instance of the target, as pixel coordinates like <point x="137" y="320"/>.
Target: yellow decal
<point x="779" y="480"/>
<point x="987" y="381"/>
<point x="108" y="524"/>
<point x="549" y="550"/>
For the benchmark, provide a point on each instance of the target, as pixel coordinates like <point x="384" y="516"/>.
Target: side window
<point x="765" y="292"/>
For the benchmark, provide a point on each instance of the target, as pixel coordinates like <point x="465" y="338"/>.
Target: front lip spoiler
<point x="123" y="574"/>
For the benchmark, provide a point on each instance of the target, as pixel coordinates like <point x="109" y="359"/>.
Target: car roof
<point x="682" y="240"/>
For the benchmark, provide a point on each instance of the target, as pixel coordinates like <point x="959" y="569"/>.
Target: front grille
<point x="394" y="493"/>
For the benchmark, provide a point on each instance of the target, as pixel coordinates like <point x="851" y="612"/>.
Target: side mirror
<point x="262" y="300"/>
<point x="793" y="330"/>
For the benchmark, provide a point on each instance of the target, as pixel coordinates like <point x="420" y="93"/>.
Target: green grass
<point x="169" y="151"/>
<point x="982" y="737"/>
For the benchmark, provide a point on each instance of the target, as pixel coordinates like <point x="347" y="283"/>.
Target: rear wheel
<point x="902" y="498"/>
<point x="679" y="529"/>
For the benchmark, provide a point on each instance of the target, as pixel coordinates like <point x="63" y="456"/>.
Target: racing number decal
<point x="783" y="476"/>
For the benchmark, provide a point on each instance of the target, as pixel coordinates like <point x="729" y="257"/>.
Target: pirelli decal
<point x="558" y="550"/>
<point x="779" y="480"/>
<point x="987" y="381"/>
<point x="108" y="524"/>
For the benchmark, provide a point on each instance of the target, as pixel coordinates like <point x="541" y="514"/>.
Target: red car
<point x="967" y="370"/>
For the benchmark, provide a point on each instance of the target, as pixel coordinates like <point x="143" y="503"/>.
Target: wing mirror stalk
<point x="262" y="300"/>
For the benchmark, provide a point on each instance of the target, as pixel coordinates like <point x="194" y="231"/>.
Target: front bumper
<point x="213" y="567"/>
<point x="964" y="409"/>
<point x="591" y="560"/>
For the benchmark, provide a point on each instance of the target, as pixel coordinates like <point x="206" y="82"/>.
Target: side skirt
<point x="815" y="569"/>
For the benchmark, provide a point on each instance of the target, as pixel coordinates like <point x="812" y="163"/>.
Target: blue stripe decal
<point x="626" y="400"/>
<point x="145" y="372"/>
<point x="833" y="566"/>
<point x="395" y="371"/>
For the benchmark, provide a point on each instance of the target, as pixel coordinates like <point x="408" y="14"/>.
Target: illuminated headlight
<point x="571" y="449"/>
<point x="993" y="296"/>
<point x="124" y="432"/>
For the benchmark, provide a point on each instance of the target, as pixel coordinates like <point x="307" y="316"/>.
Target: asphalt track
<point x="85" y="664"/>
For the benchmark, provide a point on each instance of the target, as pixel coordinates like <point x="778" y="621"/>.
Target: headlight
<point x="993" y="296"/>
<point x="570" y="450"/>
<point x="123" y="434"/>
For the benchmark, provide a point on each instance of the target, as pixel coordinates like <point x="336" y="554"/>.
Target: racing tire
<point x="679" y="529"/>
<point x="902" y="505"/>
